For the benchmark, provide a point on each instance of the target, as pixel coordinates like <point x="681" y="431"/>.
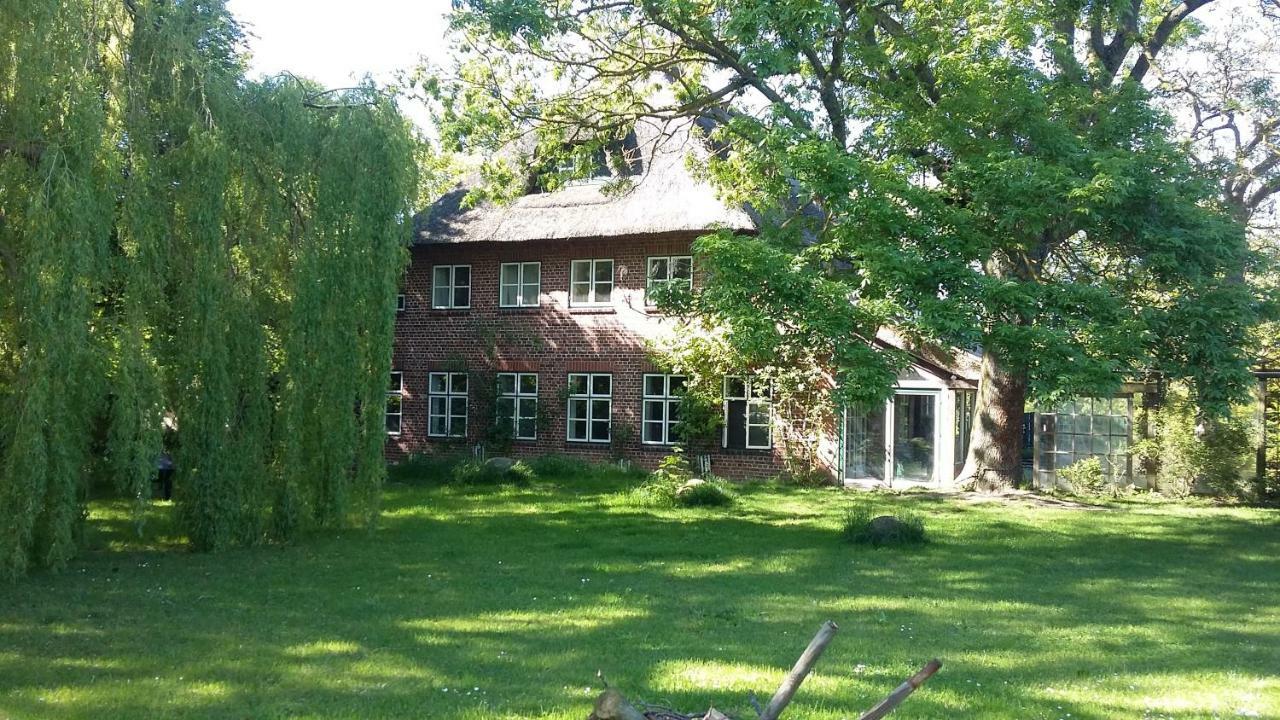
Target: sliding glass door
<point x="896" y="441"/>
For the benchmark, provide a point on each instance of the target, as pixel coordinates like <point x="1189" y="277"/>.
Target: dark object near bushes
<point x="863" y="529"/>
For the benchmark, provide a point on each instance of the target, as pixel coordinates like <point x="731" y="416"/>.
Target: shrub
<point x="1084" y="477"/>
<point x="559" y="467"/>
<point x="475" y="472"/>
<point x="674" y="484"/>
<point x="861" y="528"/>
<point x="426" y="468"/>
<point x="1191" y="459"/>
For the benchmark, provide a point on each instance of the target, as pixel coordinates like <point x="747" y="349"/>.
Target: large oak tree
<point x="973" y="173"/>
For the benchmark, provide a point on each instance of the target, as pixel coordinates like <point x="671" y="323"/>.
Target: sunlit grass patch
<point x="473" y="603"/>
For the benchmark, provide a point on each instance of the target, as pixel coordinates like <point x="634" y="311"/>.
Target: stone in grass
<point x="690" y="485"/>
<point x="500" y="464"/>
<point x="861" y="528"/>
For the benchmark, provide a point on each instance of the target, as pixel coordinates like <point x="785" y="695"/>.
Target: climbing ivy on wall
<point x="182" y="247"/>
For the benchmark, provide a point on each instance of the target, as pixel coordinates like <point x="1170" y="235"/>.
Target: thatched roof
<point x="664" y="197"/>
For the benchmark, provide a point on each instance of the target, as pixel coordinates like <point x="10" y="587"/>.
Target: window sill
<point x="518" y="308"/>
<point x="592" y="310"/>
<point x="746" y="451"/>
<point x="449" y="312"/>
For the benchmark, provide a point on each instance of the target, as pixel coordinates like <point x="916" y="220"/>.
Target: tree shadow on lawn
<point x="525" y="594"/>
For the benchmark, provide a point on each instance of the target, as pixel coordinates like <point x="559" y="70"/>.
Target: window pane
<point x="393" y="404"/>
<point x="578" y="409"/>
<point x="653" y="432"/>
<point x="601" y="384"/>
<point x="458" y="382"/>
<point x="604" y="271"/>
<point x="440" y="276"/>
<point x="462" y="276"/>
<point x="681" y="268"/>
<point x="462" y="297"/>
<point x="437" y="383"/>
<point x="506" y="384"/>
<point x="580" y="293"/>
<point x="440" y="296"/>
<point x="758" y="414"/>
<point x="603" y="293"/>
<point x="511" y="274"/>
<point x="436" y="425"/>
<point x="528" y="384"/>
<point x="577" y="429"/>
<point x="653" y="410"/>
<point x="458" y="406"/>
<point x="532" y="274"/>
<point x="600" y="430"/>
<point x="528" y="409"/>
<point x="735" y="388"/>
<point x="581" y="271"/>
<point x="526" y="429"/>
<point x="577" y="384"/>
<point x="673" y="411"/>
<point x="458" y="427"/>
<point x="599" y="409"/>
<point x="657" y="269"/>
<point x="676" y="385"/>
<point x="529" y="295"/>
<point x="653" y="385"/>
<point x="509" y="295"/>
<point x="393" y="423"/>
<point x="397" y="382"/>
<point x="758" y="436"/>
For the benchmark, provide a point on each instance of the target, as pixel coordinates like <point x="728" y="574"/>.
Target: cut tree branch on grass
<point x="613" y="705"/>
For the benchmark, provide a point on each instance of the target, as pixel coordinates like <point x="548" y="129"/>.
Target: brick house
<point x="532" y="317"/>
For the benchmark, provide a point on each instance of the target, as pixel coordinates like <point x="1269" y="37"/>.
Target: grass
<point x="503" y="602"/>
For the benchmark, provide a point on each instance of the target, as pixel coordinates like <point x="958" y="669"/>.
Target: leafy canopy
<point x="970" y="172"/>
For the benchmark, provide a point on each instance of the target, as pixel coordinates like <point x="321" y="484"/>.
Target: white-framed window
<point x="590" y="407"/>
<point x="661" y="409"/>
<point x="400" y="303"/>
<point x="395" y="402"/>
<point x="519" y="284"/>
<point x="517" y="404"/>
<point x="675" y="270"/>
<point x="451" y="287"/>
<point x="748" y="413"/>
<point x="447" y="404"/>
<point x="590" y="282"/>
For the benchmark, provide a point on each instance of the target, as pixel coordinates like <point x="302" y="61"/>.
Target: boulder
<point x="689" y="485"/>
<point x="501" y="464"/>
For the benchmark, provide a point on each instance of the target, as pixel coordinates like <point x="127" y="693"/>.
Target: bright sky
<point x="336" y="42"/>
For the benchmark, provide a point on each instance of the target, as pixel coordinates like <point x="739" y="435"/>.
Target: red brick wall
<point x="551" y="340"/>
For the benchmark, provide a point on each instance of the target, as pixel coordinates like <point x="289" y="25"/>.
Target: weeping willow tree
<point x="183" y="248"/>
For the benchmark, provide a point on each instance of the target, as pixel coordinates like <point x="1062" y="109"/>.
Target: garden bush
<point x="476" y="472"/>
<point x="673" y="484"/>
<point x="860" y="527"/>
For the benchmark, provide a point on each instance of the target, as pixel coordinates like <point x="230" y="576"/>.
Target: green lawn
<point x="503" y="603"/>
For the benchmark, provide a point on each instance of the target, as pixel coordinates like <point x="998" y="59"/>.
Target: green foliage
<point x="970" y="173"/>
<point x="1195" y="454"/>
<point x="478" y="472"/>
<point x="176" y="240"/>
<point x="1085" y="477"/>
<point x="859" y="527"/>
<point x="426" y="469"/>
<point x="673" y="484"/>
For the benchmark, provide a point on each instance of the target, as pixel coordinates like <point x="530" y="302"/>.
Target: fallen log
<point x="613" y="705"/>
<point x="909" y="686"/>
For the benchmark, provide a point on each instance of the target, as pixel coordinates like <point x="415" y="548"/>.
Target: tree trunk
<point x="995" y="443"/>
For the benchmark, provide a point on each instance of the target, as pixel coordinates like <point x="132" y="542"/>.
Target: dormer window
<point x="585" y="165"/>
